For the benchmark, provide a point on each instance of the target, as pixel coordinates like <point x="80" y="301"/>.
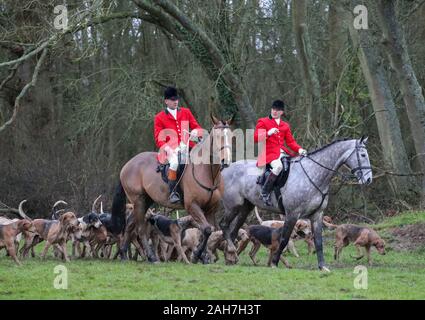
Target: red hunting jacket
<point x="275" y="142"/>
<point x="169" y="131"/>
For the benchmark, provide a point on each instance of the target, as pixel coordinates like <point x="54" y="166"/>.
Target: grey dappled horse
<point x="305" y="194"/>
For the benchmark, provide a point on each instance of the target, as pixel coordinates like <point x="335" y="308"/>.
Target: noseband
<point x="215" y="185"/>
<point x="359" y="167"/>
<point x="344" y="176"/>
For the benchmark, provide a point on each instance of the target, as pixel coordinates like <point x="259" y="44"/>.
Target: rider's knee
<point x="174" y="164"/>
<point x="277" y="167"/>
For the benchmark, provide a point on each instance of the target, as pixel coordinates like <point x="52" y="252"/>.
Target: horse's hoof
<point x="194" y="259"/>
<point x="230" y="257"/>
<point x="153" y="260"/>
<point x="325" y="269"/>
<point x="274" y="266"/>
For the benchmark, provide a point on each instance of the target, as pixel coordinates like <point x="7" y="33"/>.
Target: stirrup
<point x="266" y="199"/>
<point x="174" y="197"/>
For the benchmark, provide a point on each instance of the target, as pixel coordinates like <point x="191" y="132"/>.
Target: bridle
<point x="359" y="167"/>
<point x="344" y="177"/>
<point x="214" y="176"/>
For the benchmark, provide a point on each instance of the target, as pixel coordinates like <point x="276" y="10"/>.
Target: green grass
<point x="397" y="275"/>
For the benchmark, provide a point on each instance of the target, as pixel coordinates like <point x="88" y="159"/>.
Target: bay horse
<point x="200" y="182"/>
<point x="304" y="195"/>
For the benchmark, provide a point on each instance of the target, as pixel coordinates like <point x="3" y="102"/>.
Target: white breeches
<point x="173" y="159"/>
<point x="277" y="166"/>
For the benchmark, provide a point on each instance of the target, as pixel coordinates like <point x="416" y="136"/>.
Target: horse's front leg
<point x="317" y="227"/>
<point x="289" y="225"/>
<point x="230" y="254"/>
<point x="206" y="229"/>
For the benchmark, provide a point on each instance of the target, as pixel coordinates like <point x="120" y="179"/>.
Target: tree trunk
<point x="337" y="39"/>
<point x="393" y="148"/>
<point x="308" y="70"/>
<point x="395" y="47"/>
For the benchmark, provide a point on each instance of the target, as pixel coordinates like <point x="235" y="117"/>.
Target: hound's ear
<point x="214" y="120"/>
<point x="364" y="139"/>
<point x="230" y="121"/>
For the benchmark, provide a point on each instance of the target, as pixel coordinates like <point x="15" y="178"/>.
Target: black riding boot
<point x="174" y="195"/>
<point x="267" y="189"/>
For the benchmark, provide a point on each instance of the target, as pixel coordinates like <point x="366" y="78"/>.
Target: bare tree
<point x="393" y="148"/>
<point x="308" y="70"/>
<point x="396" y="50"/>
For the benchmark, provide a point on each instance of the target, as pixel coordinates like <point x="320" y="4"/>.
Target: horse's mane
<point x="328" y="145"/>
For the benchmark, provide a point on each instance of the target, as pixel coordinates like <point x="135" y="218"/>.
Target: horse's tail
<point x="258" y="215"/>
<point x="118" y="210"/>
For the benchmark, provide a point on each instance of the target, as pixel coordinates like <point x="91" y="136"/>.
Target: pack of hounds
<point x="91" y="236"/>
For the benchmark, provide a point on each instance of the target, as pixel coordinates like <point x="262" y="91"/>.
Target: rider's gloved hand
<point x="302" y="152"/>
<point x="272" y="131"/>
<point x="194" y="135"/>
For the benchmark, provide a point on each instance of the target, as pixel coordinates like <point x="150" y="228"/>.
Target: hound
<point x="88" y="223"/>
<point x="216" y="241"/>
<point x="170" y="231"/>
<point x="56" y="232"/>
<point x="266" y="236"/>
<point x="361" y="237"/>
<point x="5" y="221"/>
<point x="9" y="232"/>
<point x="32" y="239"/>
<point x="300" y="228"/>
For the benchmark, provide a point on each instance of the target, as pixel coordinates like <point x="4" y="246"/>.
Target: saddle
<point x="280" y="181"/>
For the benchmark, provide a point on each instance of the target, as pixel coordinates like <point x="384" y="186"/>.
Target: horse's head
<point x="359" y="163"/>
<point x="222" y="143"/>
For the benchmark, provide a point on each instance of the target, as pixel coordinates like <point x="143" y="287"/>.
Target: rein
<point x="344" y="177"/>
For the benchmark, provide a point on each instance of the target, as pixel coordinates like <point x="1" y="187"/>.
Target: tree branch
<point x="76" y="28"/>
<point x="25" y="89"/>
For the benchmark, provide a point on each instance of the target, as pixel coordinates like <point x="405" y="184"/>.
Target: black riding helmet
<point x="171" y="93"/>
<point x="278" y="105"/>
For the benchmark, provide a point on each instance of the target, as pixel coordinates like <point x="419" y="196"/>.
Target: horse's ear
<point x="214" y="119"/>
<point x="230" y="121"/>
<point x="364" y="139"/>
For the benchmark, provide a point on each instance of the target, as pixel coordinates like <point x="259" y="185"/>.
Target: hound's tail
<point x="329" y="225"/>
<point x="258" y="215"/>
<point x="118" y="210"/>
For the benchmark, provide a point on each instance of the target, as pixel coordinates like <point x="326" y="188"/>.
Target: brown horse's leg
<point x="141" y="205"/>
<point x="206" y="229"/>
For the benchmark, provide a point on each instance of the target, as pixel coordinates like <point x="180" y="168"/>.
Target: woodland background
<point x="75" y="105"/>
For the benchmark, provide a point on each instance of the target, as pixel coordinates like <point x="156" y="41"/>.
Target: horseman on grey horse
<point x="276" y="133"/>
<point x="301" y="192"/>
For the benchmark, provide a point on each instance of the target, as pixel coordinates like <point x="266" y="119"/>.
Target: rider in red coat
<point x="174" y="127"/>
<point x="276" y="134"/>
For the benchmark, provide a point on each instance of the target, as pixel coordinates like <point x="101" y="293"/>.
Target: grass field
<point x="397" y="275"/>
